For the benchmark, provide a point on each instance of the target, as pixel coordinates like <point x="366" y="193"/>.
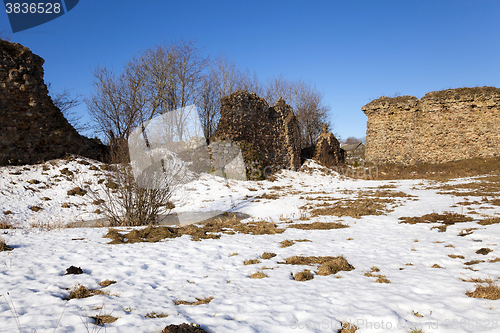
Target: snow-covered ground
<point x="151" y="277"/>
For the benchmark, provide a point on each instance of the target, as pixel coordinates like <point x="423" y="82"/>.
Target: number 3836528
<point x="33" y="8"/>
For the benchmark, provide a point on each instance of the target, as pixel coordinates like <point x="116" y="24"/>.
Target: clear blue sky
<point x="353" y="51"/>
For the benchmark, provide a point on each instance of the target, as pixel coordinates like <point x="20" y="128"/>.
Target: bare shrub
<point x="123" y="201"/>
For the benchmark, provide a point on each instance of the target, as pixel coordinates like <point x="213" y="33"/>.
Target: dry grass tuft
<point x="493" y="220"/>
<point x="455" y="256"/>
<point x="473" y="262"/>
<point x="251" y="262"/>
<point x="436" y="266"/>
<point x="319" y="226"/>
<point x="491" y="291"/>
<point x="305" y="275"/>
<point x="103" y="319"/>
<point x="286" y="243"/>
<point x="380" y="278"/>
<point x="446" y="219"/>
<point x="334" y="266"/>
<point x="199" y="301"/>
<point x="328" y="265"/>
<point x="268" y="255"/>
<point x="258" y="275"/>
<point x="4" y="246"/>
<point x="78" y="291"/>
<point x="354" y="208"/>
<point x="494" y="260"/>
<point x="347" y="328"/>
<point x="153" y="315"/>
<point x="4" y="224"/>
<point x="484" y="251"/>
<point x="441" y="172"/>
<point x="106" y="283"/>
<point x="210" y="229"/>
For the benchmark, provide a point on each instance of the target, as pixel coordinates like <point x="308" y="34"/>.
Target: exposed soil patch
<point x="484" y="251"/>
<point x="73" y="270"/>
<point x="198" y="302"/>
<point x="183" y="328"/>
<point x="446" y="219"/>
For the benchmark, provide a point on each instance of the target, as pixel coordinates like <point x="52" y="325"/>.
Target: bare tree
<point x="4" y="35"/>
<point x="307" y="103"/>
<point x="223" y="78"/>
<point x="66" y="103"/>
<point x="311" y="112"/>
<point x="352" y="139"/>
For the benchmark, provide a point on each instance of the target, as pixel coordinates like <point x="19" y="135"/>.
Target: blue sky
<point x="353" y="51"/>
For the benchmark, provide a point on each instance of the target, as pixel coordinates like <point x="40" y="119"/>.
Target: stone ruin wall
<point x="268" y="136"/>
<point x="32" y="129"/>
<point x="442" y="126"/>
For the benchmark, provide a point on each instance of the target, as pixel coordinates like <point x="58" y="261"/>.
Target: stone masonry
<point x="327" y="150"/>
<point x="442" y="126"/>
<point x="268" y="136"/>
<point x="32" y="129"/>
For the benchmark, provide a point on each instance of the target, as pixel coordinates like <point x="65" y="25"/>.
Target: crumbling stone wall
<point x="268" y="136"/>
<point x="32" y="129"/>
<point x="442" y="126"/>
<point x="327" y="150"/>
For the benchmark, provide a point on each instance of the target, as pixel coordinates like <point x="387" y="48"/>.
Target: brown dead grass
<point x="106" y="283"/>
<point x="199" y="301"/>
<point x="268" y="255"/>
<point x="251" y="262"/>
<point x="489" y="221"/>
<point x="446" y="219"/>
<point x="154" y="315"/>
<point x="347" y="328"/>
<point x="78" y="291"/>
<point x="4" y="246"/>
<point x="103" y="319"/>
<point x="436" y="266"/>
<point x="318" y="226"/>
<point x="4" y="224"/>
<point x="455" y="256"/>
<point x="305" y="275"/>
<point x="286" y="243"/>
<point x="494" y="260"/>
<point x="380" y="278"/>
<point x="491" y="291"/>
<point x="484" y="251"/>
<point x="328" y="265"/>
<point x="354" y="207"/>
<point x="441" y="172"/>
<point x="473" y="262"/>
<point x="258" y="275"/>
<point x="208" y="230"/>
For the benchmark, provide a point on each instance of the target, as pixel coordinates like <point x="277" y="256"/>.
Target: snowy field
<point x="406" y="277"/>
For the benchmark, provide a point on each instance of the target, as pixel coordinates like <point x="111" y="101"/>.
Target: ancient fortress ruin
<point x="442" y="126"/>
<point x="32" y="129"/>
<point x="268" y="136"/>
